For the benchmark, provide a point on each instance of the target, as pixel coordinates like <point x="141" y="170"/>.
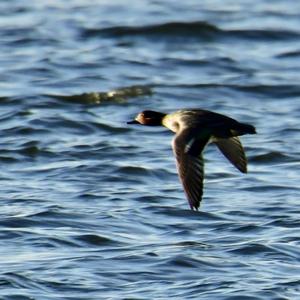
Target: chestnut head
<point x="148" y="118"/>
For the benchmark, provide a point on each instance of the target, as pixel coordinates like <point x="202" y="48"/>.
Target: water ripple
<point x="197" y="29"/>
<point x="92" y="208"/>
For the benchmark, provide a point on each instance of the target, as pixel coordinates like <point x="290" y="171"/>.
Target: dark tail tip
<point x="247" y="128"/>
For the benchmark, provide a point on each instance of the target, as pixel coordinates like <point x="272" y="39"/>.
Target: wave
<point x="271" y="157"/>
<point x="95" y="240"/>
<point x="277" y="91"/>
<point x="256" y="249"/>
<point x="289" y="54"/>
<point x="171" y="28"/>
<point x="194" y="29"/>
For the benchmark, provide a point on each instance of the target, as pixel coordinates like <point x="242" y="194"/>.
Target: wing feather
<point x="190" y="167"/>
<point x="233" y="150"/>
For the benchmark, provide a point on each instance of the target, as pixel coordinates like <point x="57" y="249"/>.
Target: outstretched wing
<point x="233" y="150"/>
<point x="190" y="165"/>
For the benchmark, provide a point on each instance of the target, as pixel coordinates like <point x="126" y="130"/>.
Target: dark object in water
<point x="118" y="95"/>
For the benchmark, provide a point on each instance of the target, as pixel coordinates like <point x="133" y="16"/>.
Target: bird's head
<point x="149" y="118"/>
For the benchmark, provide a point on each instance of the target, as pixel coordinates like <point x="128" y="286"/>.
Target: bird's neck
<point x="171" y="122"/>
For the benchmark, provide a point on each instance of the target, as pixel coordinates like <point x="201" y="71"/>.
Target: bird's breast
<point x="171" y="122"/>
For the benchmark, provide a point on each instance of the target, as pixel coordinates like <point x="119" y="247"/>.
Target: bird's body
<point x="194" y="129"/>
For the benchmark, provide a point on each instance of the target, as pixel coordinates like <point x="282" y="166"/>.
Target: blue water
<point x="91" y="208"/>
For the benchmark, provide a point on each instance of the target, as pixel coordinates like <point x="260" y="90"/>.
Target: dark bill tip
<point x="133" y="122"/>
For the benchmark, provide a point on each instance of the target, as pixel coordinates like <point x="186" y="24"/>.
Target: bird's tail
<point x="241" y="129"/>
<point x="246" y="128"/>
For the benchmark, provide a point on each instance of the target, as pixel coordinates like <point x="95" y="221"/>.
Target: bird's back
<point x="200" y="119"/>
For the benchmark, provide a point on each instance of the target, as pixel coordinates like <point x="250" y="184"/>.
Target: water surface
<point x="91" y="208"/>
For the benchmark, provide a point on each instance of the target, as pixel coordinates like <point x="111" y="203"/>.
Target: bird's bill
<point x="133" y="122"/>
